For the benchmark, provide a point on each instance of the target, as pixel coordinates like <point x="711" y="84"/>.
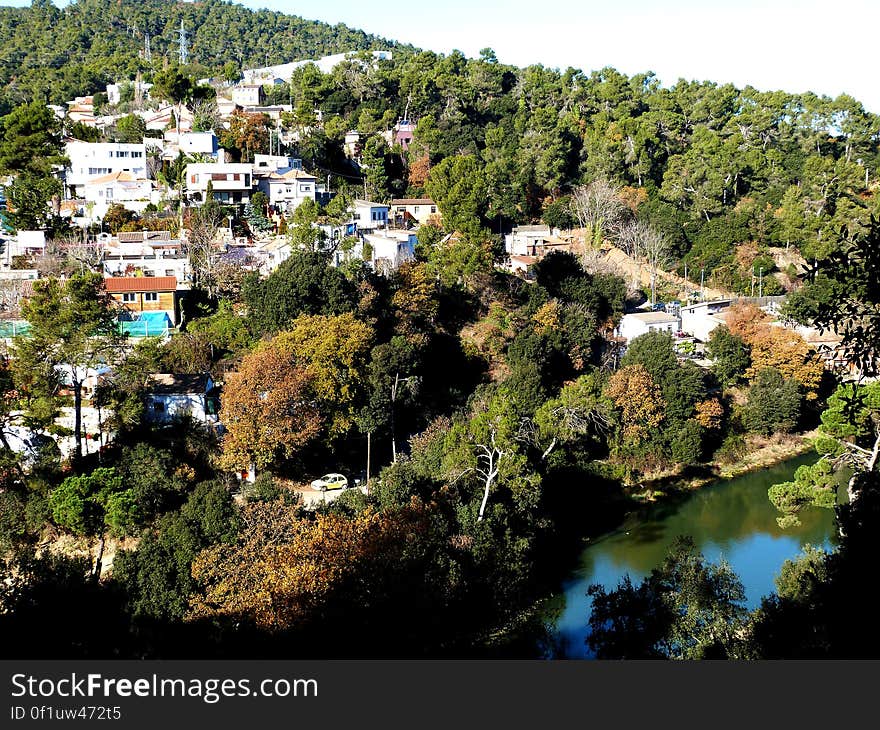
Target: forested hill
<point x="58" y="53"/>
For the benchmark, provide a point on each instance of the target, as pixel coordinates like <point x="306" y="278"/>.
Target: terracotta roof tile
<point x="116" y="284"/>
<point x="412" y="201"/>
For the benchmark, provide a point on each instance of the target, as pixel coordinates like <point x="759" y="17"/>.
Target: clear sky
<point x="828" y="47"/>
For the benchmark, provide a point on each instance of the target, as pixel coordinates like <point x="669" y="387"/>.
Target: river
<point x="731" y="519"/>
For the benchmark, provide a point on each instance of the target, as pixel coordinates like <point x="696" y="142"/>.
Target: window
<point x="170" y="272"/>
<point x="433" y="208"/>
<point x="158" y="406"/>
<point x="305" y="188"/>
<point x="151" y="296"/>
<point x="109" y="194"/>
<point x="129" y="298"/>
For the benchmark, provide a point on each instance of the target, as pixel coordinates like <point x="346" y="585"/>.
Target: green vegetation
<point x="94" y="42"/>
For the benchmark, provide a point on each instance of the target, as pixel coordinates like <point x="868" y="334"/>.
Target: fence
<point x="137" y="328"/>
<point x="12" y="328"/>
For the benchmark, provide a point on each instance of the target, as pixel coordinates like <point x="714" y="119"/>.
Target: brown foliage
<point x="744" y="320"/>
<point x="634" y="392"/>
<point x="633" y="197"/>
<point x="415" y="298"/>
<point x="285" y="568"/>
<point x="775" y="347"/>
<point x="709" y="414"/>
<point x="787" y="352"/>
<point x="268" y="409"/>
<point x="419" y="171"/>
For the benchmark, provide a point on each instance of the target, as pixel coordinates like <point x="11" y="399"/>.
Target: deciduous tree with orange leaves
<point x="746" y="320"/>
<point x="787" y="352"/>
<point x="334" y="352"/>
<point x="709" y="413"/>
<point x="268" y="409"/>
<point x="776" y="347"/>
<point x="638" y="397"/>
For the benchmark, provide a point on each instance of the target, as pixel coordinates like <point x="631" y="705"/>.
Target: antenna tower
<point x="184" y="46"/>
<point x="148" y="56"/>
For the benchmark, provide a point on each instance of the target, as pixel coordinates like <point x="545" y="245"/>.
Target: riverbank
<point x="529" y="628"/>
<point x="730" y="520"/>
<point x="763" y="453"/>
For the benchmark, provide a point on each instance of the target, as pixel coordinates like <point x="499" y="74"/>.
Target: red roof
<point x="116" y="284"/>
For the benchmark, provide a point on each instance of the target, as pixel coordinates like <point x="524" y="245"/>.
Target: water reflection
<point x="732" y="520"/>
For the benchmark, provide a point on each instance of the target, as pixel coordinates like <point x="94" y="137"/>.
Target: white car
<point x="330" y="481"/>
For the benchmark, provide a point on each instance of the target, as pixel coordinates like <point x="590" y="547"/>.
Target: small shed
<point x="171" y="396"/>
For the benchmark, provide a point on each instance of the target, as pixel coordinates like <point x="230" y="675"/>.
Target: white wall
<point x="176" y="405"/>
<point x="631" y="327"/>
<point x="94" y="159"/>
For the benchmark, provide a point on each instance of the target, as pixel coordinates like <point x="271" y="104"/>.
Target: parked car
<point x="330" y="481"/>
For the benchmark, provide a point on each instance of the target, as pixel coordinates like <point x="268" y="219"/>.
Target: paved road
<point x="313" y="498"/>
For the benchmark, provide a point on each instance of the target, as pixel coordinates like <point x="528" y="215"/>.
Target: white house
<point x="369" y="216"/>
<point x="390" y="249"/>
<point x="698" y="320"/>
<point x="420" y="210"/>
<point x="191" y="143"/>
<point x="148" y="254"/>
<point x="280" y="73"/>
<point x="232" y="182"/>
<point x="171" y="396"/>
<point x="122" y="188"/>
<point x="272" y="253"/>
<point x="248" y="94"/>
<point x="89" y="160"/>
<point x="640" y="323"/>
<point x="351" y="145"/>
<point x="82" y="109"/>
<point x="287" y="188"/>
<point x="533" y="241"/>
<point x="24" y="243"/>
<point x="274" y="163"/>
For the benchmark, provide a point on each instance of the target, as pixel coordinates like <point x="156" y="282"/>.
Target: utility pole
<point x="369" y="439"/>
<point x="761" y="283"/>
<point x="702" y="287"/>
<point x="397" y="381"/>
